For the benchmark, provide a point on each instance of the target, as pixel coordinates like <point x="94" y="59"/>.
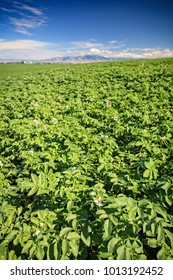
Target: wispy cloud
<point x="24" y="17"/>
<point x="141" y="49"/>
<point x="8" y="10"/>
<point x="33" y="10"/>
<point x="114" y="44"/>
<point x="86" y="44"/>
<point x="101" y="46"/>
<point x="23" y="25"/>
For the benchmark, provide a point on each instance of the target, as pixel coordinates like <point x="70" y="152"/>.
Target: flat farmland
<point x="86" y="161"/>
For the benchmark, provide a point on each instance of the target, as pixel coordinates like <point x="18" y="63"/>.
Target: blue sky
<point x="120" y="28"/>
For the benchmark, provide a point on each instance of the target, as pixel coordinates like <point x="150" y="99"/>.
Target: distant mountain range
<point x="78" y="59"/>
<point x="65" y="59"/>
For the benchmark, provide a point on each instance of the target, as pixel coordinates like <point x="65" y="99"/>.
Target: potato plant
<point x="86" y="162"/>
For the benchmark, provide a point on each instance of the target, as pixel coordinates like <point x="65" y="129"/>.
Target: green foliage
<point x="86" y="168"/>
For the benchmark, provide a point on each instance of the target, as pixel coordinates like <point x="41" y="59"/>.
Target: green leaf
<point x="12" y="255"/>
<point x="170" y="236"/>
<point x="26" y="184"/>
<point x="42" y="182"/>
<point x="10" y="237"/>
<point x="105" y="255"/>
<point x="107" y="228"/>
<point x="65" y="231"/>
<point x="71" y="216"/>
<point x="153" y="228"/>
<point x="146" y="173"/>
<point x="56" y="250"/>
<point x="75" y="224"/>
<point x="40" y="253"/>
<point x="149" y="164"/>
<point x="33" y="190"/>
<point x="160" y="210"/>
<point x="160" y="233"/>
<point x="65" y="246"/>
<point x="32" y="250"/>
<point x="44" y="242"/>
<point x="113" y="219"/>
<point x="162" y="254"/>
<point x="41" y="191"/>
<point x="136" y="244"/>
<point x="73" y="235"/>
<point x="100" y="167"/>
<point x="65" y="258"/>
<point x="34" y="179"/>
<point x="50" y="252"/>
<point x="103" y="216"/>
<point x="3" y="252"/>
<point x="129" y="254"/>
<point x="152" y="242"/>
<point x="19" y="210"/>
<point x="121" y="253"/>
<point x="74" y="247"/>
<point x="42" y="214"/>
<point x="70" y="205"/>
<point x="35" y="221"/>
<point x="121" y="200"/>
<point x="168" y="200"/>
<point x="166" y="186"/>
<point x="70" y="195"/>
<point x="155" y="173"/>
<point x="141" y="257"/>
<point x="100" y="212"/>
<point x="27" y="246"/>
<point x="85" y="236"/>
<point x="112" y="243"/>
<point x="114" y="177"/>
<point x="143" y="203"/>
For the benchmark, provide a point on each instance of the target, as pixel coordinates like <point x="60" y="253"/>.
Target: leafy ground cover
<point x="7" y="70"/>
<point x="86" y="162"/>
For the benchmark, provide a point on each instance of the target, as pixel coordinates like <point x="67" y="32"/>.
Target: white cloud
<point x="102" y="52"/>
<point x="126" y="54"/>
<point x="32" y="54"/>
<point x="135" y="53"/>
<point x="159" y="53"/>
<point x="95" y="51"/>
<point x="96" y="45"/>
<point x="29" y="49"/>
<point x="22" y="44"/>
<point x="151" y="53"/>
<point x="32" y="49"/>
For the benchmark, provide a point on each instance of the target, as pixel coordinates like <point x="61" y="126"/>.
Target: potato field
<point x="86" y="161"/>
